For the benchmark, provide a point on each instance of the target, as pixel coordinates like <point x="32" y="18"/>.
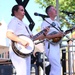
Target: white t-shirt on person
<point x="48" y="23"/>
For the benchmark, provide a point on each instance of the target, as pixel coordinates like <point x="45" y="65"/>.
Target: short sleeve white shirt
<point x="48" y="23"/>
<point x="18" y="27"/>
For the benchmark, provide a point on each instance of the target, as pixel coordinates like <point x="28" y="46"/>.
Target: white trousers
<point x="22" y="65"/>
<point x="53" y="54"/>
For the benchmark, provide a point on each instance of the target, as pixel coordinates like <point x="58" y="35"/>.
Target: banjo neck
<point x="41" y="32"/>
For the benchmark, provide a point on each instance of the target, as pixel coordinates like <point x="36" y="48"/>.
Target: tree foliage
<point x="66" y="10"/>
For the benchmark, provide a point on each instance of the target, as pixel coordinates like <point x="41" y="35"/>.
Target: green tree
<point x="66" y="10"/>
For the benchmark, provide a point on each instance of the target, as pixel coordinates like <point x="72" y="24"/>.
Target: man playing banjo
<point x="15" y="29"/>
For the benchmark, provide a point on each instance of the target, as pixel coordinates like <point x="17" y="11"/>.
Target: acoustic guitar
<point x="58" y="40"/>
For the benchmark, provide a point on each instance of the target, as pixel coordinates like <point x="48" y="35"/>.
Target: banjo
<point x="21" y="50"/>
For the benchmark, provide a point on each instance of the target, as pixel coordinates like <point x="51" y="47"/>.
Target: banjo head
<point x="20" y="50"/>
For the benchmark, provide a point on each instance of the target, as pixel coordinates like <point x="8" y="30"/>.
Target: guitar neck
<point x="69" y="30"/>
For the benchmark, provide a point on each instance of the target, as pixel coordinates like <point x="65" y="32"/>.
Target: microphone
<point x="43" y="16"/>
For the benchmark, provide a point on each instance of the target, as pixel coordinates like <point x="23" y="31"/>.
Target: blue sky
<point x="32" y="7"/>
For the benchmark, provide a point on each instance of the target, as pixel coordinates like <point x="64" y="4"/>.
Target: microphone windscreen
<point x="35" y="14"/>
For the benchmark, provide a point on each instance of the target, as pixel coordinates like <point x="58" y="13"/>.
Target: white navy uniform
<point x="53" y="51"/>
<point x="22" y="65"/>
